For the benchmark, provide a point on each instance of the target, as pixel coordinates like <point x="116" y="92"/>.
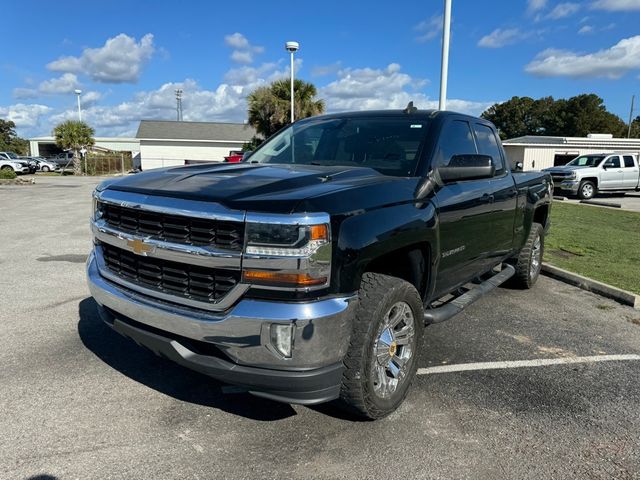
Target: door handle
<point x="487" y="198"/>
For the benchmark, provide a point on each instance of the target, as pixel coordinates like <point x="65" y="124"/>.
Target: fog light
<point x="282" y="338"/>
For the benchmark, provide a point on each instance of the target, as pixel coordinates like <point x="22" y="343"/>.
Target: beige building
<point x="536" y="153"/>
<point x="169" y="143"/>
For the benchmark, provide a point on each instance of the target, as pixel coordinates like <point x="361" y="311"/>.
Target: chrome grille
<point x="226" y="235"/>
<point x="182" y="280"/>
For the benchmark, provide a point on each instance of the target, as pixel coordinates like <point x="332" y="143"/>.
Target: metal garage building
<point x="537" y="153"/>
<point x="167" y="143"/>
<point x="46" y="146"/>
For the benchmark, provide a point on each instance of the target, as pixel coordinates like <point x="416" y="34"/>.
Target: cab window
<point x="612" y="162"/>
<point x="455" y="139"/>
<point x="488" y="145"/>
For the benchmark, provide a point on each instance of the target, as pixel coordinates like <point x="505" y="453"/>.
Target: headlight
<point x="572" y="175"/>
<point x="96" y="212"/>
<point x="286" y="255"/>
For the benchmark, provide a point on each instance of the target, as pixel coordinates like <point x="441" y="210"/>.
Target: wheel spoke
<point x="394" y="369"/>
<point x="399" y="315"/>
<point x="404" y="335"/>
<point x="386" y="337"/>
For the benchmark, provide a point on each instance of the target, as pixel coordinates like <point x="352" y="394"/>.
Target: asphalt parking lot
<point x="79" y="401"/>
<point x="629" y="201"/>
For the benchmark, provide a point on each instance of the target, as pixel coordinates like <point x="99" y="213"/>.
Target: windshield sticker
<point x="416" y="126"/>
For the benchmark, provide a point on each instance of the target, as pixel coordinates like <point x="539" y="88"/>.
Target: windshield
<point x="11" y="155"/>
<point x="586" y="161"/>
<point x="389" y="145"/>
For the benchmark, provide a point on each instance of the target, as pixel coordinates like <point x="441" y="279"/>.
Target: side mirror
<point x="467" y="167"/>
<point x="518" y="167"/>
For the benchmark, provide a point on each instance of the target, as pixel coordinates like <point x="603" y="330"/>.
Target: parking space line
<point x="542" y="362"/>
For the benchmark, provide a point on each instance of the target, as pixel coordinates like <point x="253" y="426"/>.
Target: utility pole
<point x="633" y="98"/>
<point x="444" y="68"/>
<point x="292" y="47"/>
<point x="179" y="104"/>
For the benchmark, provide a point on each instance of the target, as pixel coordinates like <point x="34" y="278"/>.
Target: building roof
<point x="597" y="141"/>
<point x="198" y="131"/>
<point x="97" y="139"/>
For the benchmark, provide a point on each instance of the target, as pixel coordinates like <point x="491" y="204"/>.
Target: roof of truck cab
<point x="424" y="114"/>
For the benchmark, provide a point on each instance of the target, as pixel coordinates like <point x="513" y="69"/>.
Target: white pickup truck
<point x="587" y="175"/>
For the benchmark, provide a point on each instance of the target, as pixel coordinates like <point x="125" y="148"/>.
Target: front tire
<point x="587" y="190"/>
<point x="386" y="340"/>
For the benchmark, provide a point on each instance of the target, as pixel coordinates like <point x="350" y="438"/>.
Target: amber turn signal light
<point x="319" y="232"/>
<point x="262" y="277"/>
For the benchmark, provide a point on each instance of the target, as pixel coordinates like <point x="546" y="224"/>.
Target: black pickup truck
<point x="307" y="273"/>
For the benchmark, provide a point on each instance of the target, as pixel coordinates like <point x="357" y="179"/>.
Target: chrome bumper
<point x="322" y="328"/>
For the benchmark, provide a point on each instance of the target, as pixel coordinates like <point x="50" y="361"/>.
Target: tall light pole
<point x="291" y="48"/>
<point x="179" y="104"/>
<point x="444" y="68"/>
<point x="78" y="92"/>
<point x="633" y="98"/>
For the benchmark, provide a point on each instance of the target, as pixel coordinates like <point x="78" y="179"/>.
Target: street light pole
<point x="78" y="92"/>
<point x="291" y="48"/>
<point x="444" y="68"/>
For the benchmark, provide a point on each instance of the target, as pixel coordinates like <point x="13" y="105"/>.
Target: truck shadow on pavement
<point x="166" y="377"/>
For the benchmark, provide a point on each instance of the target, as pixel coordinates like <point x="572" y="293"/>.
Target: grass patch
<point x="596" y="242"/>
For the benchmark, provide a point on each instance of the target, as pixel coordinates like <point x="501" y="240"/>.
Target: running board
<point x="455" y="306"/>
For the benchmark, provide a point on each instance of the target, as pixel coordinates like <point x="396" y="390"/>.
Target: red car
<point x="235" y="156"/>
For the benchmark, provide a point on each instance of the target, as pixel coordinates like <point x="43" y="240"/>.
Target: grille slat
<point x="188" y="281"/>
<point x="175" y="228"/>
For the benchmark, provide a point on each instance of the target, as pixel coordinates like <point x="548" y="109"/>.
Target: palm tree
<point x="74" y="135"/>
<point x="269" y="107"/>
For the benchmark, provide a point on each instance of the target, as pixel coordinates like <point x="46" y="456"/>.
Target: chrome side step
<point x="455" y="306"/>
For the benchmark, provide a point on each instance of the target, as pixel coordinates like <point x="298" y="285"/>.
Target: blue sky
<point x="128" y="57"/>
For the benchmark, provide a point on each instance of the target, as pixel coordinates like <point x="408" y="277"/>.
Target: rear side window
<point x="612" y="162"/>
<point x="455" y="139"/>
<point x="628" y="161"/>
<point x="488" y="145"/>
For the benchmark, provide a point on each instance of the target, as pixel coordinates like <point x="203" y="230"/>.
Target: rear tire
<point x="385" y="345"/>
<point x="45" y="169"/>
<point x="587" y="190"/>
<point x="528" y="263"/>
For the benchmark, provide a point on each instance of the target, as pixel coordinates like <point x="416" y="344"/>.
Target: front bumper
<point x="240" y="336"/>
<point x="567" y="185"/>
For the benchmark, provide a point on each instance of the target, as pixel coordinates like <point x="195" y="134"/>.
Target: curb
<point x="586" y="283"/>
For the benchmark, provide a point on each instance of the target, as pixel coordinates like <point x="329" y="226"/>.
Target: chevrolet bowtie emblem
<point x="138" y="246"/>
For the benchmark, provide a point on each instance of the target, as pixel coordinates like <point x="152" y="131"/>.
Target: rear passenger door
<point x="611" y="175"/>
<point x="502" y="190"/>
<point x="464" y="212"/>
<point x="630" y="172"/>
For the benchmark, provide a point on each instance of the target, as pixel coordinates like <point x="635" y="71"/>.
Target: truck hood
<point x="244" y="186"/>
<point x="565" y="168"/>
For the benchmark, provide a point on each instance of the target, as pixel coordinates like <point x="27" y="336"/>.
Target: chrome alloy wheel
<point x="536" y="257"/>
<point x="587" y="190"/>
<point x="393" y="350"/>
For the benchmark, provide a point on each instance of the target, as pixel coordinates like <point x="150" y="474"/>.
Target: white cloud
<point x="370" y="89"/>
<point x="534" y="6"/>
<point x="243" y="51"/>
<point x="499" y="38"/>
<point x="429" y="29"/>
<point x="610" y="63"/>
<point x="66" y="83"/>
<point x="585" y="29"/>
<point x="90" y="98"/>
<point x="563" y="10"/>
<point x="120" y="60"/>
<point x="25" y="116"/>
<point x="616" y="5"/>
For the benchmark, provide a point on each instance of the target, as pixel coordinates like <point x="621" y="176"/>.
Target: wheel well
<point x="409" y="263"/>
<point x="594" y="180"/>
<point x="541" y="215"/>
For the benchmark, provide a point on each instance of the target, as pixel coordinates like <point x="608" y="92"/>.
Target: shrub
<point x="7" y="173"/>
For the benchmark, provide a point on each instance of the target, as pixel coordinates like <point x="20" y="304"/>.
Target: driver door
<point x="612" y="174"/>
